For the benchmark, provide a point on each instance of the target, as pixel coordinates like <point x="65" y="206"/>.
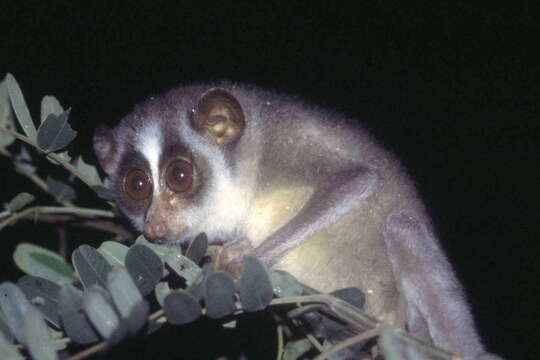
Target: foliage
<point x="108" y="295"/>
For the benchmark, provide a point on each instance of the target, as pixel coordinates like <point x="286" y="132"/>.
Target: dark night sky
<point x="452" y="89"/>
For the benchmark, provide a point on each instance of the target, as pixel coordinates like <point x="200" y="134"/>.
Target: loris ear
<point x="219" y="115"/>
<point x="105" y="147"/>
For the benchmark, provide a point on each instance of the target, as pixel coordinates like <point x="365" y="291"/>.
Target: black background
<point x="453" y="89"/>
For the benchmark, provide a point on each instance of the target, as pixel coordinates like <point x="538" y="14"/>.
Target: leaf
<point x="127" y="298"/>
<point x="100" y="311"/>
<point x="104" y="193"/>
<point x="6" y="116"/>
<point x="219" y="298"/>
<point x="352" y="295"/>
<point x="20" y="201"/>
<point x="114" y="252"/>
<point x="43" y="294"/>
<point x="19" y="106"/>
<point x="14" y="305"/>
<point x="60" y="190"/>
<point x="145" y="267"/>
<point x="284" y="284"/>
<point x="4" y="329"/>
<point x="23" y="162"/>
<point x="55" y="133"/>
<point x="160" y="250"/>
<point x="50" y="105"/>
<point x="8" y="350"/>
<point x="197" y="248"/>
<point x="123" y="290"/>
<point x="38" y="340"/>
<point x="295" y="349"/>
<point x="181" y="308"/>
<point x="198" y="288"/>
<point x="91" y="266"/>
<point x="161" y="291"/>
<point x="183" y="266"/>
<point x="75" y="323"/>
<point x="89" y="172"/>
<point x="255" y="288"/>
<point x="38" y="261"/>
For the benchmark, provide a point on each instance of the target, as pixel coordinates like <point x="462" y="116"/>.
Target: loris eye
<point x="179" y="176"/>
<point x="137" y="185"/>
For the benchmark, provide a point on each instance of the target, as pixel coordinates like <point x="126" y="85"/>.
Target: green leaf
<point x="352" y="295"/>
<point x="160" y="250"/>
<point x="219" y="298"/>
<point x="284" y="284"/>
<point x="91" y="266"/>
<point x="145" y="267"/>
<point x="19" y="106"/>
<point x="4" y="329"/>
<point x="100" y="311"/>
<point x="38" y="261"/>
<point x="60" y="190"/>
<point x="6" y="116"/>
<point x="89" y="172"/>
<point x="255" y="288"/>
<point x="161" y="291"/>
<point x="55" y="133"/>
<point x="74" y="321"/>
<point x="104" y="193"/>
<point x="43" y="294"/>
<point x="123" y="290"/>
<point x="197" y="248"/>
<point x="198" y="288"/>
<point x="181" y="308"/>
<point x="20" y="201"/>
<point x="38" y="340"/>
<point x="114" y="252"/>
<point x="8" y="350"/>
<point x="183" y="266"/>
<point x="14" y="305"/>
<point x="50" y="105"/>
<point x="295" y="349"/>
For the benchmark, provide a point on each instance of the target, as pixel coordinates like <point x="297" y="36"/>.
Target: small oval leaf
<point x="89" y="172"/>
<point x="123" y="290"/>
<point x="183" y="266"/>
<point x="44" y="294"/>
<point x="37" y="261"/>
<point x="284" y="284"/>
<point x="160" y="250"/>
<point x="181" y="308"/>
<point x="50" y="105"/>
<point x="8" y="350"/>
<point x="100" y="311"/>
<point x="255" y="287"/>
<point x="38" y="340"/>
<point x="14" y="305"/>
<point x="145" y="267"/>
<point x="6" y="116"/>
<point x="114" y="252"/>
<point x="55" y="133"/>
<point x="19" y="106"/>
<point x="20" y="201"/>
<point x="91" y="266"/>
<point x="161" y="290"/>
<point x="197" y="248"/>
<point x="60" y="190"/>
<point x="352" y="295"/>
<point x="74" y="321"/>
<point x="219" y="298"/>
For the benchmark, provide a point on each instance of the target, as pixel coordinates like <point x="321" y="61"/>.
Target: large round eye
<point x="179" y="176"/>
<point x="137" y="185"/>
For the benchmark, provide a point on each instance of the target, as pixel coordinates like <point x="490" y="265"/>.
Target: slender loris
<point x="296" y="185"/>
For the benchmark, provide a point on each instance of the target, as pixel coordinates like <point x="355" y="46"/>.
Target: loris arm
<point x="333" y="197"/>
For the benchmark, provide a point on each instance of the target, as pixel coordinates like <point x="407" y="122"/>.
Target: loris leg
<point x="434" y="297"/>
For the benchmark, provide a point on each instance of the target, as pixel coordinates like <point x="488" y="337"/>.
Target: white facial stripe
<point x="150" y="147"/>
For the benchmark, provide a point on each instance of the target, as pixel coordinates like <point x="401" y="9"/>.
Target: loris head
<point x="169" y="156"/>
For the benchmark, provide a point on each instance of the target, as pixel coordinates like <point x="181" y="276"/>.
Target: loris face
<point x="161" y="184"/>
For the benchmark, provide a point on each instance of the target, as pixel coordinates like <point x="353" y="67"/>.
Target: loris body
<point x="296" y="186"/>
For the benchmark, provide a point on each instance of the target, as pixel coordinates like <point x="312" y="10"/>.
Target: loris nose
<point x="155" y="230"/>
